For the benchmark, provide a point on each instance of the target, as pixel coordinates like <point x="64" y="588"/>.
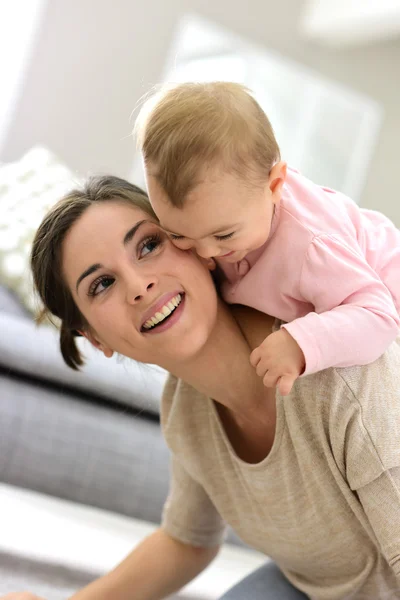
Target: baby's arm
<point x="353" y="323"/>
<point x="355" y="318"/>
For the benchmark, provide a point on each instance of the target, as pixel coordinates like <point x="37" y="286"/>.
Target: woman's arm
<point x="162" y="563"/>
<point x="158" y="567"/>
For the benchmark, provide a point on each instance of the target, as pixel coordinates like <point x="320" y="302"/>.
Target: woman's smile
<point x="131" y="283"/>
<point x="164" y="313"/>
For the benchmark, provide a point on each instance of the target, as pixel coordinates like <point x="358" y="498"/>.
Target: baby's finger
<point x="285" y="384"/>
<point x="255" y="357"/>
<point x="270" y="379"/>
<point x="262" y="367"/>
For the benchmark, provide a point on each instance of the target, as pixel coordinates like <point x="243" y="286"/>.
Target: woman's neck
<point x="222" y="369"/>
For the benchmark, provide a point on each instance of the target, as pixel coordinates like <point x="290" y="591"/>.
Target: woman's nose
<point x="138" y="290"/>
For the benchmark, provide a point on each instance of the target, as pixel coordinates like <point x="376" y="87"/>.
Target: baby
<point x="303" y="253"/>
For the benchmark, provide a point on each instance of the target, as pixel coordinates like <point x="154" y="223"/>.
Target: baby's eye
<point x="173" y="236"/>
<point x="100" y="284"/>
<point x="227" y="236"/>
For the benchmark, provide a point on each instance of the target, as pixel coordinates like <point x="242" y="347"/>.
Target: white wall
<point x="351" y="22"/>
<point x="95" y="58"/>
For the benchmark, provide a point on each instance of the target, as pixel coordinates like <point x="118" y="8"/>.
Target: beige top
<point x="324" y="504"/>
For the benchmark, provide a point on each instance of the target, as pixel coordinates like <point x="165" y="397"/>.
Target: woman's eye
<point x="100" y="284"/>
<point x="221" y="238"/>
<point x="148" y="245"/>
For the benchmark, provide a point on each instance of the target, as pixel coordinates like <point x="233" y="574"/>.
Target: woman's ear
<point x="276" y="180"/>
<point x="108" y="353"/>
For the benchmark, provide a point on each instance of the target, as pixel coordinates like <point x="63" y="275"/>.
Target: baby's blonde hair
<point x="184" y="129"/>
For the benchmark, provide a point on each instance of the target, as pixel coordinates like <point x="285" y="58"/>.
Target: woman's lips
<point x="157" y="306"/>
<point x="169" y="321"/>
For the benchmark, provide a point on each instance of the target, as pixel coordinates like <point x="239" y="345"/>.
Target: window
<point x="324" y="129"/>
<point x="19" y="21"/>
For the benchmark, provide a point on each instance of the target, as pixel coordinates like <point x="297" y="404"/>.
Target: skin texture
<point x="122" y="284"/>
<point x="220" y="205"/>
<point x="279" y="361"/>
<point x="117" y="296"/>
<point x="132" y="279"/>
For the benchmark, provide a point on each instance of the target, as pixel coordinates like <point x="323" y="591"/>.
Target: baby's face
<point x="224" y="217"/>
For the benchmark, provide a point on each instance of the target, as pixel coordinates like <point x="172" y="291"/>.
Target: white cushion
<point x="28" y="188"/>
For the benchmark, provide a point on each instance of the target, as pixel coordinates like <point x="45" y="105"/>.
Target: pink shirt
<point x="331" y="270"/>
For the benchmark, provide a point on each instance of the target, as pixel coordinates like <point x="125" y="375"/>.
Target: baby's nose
<point x="206" y="250"/>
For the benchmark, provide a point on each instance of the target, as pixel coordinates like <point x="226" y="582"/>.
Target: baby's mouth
<point x="163" y="314"/>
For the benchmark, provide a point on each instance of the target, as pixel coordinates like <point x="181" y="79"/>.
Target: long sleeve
<point x="354" y="318"/>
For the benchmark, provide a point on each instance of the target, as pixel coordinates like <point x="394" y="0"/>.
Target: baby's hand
<point x="279" y="360"/>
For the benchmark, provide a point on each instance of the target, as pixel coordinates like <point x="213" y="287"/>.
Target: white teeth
<point x="164" y="312"/>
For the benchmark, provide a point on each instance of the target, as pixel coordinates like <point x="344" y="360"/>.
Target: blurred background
<point x="81" y="453"/>
<point x="327" y="72"/>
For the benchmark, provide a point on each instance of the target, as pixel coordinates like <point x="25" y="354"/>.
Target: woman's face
<point x="141" y="296"/>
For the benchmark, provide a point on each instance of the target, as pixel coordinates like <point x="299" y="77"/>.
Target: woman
<point x="312" y="480"/>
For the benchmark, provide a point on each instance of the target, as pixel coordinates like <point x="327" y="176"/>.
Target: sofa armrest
<point x="32" y="350"/>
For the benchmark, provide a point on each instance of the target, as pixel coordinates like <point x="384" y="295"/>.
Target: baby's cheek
<point x="239" y="243"/>
<point x="257" y="238"/>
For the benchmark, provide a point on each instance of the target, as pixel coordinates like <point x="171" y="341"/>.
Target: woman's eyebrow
<point x="127" y="238"/>
<point x="86" y="273"/>
<point x="129" y="234"/>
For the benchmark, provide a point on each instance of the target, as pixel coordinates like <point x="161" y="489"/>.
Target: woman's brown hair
<point x="46" y="255"/>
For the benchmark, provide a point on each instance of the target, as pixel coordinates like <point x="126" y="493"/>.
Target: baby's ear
<point x="277" y="179"/>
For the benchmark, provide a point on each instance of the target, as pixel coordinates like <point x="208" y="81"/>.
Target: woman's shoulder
<point x="170" y="392"/>
<point x="175" y="390"/>
<point x="184" y="412"/>
<point x="375" y="386"/>
<point x="357" y="412"/>
<point x="370" y="387"/>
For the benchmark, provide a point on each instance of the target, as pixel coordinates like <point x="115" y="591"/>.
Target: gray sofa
<point x="90" y="437"/>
